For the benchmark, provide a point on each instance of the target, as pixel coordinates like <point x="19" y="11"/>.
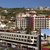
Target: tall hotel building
<point x="40" y="22"/>
<point x="24" y="21"/>
<point x="33" y="21"/>
<point x="48" y="22"/>
<point x="21" y="21"/>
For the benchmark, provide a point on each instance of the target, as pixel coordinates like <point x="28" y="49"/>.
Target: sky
<point x="24" y="3"/>
<point x="45" y="31"/>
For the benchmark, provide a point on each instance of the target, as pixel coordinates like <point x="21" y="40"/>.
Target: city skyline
<point x="24" y="3"/>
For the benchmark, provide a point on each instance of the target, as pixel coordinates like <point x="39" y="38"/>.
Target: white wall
<point x="49" y="23"/>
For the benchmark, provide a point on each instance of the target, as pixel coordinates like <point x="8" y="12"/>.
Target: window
<point x="22" y="36"/>
<point x="24" y="40"/>
<point x="5" y="37"/>
<point x="29" y="41"/>
<point x="25" y="36"/>
<point x="35" y="41"/>
<point x="31" y="37"/>
<point x="17" y="35"/>
<point x="21" y="39"/>
<point x="12" y="34"/>
<point x="16" y="39"/>
<point x="34" y="44"/>
<point x="28" y="37"/>
<point x="35" y="37"/>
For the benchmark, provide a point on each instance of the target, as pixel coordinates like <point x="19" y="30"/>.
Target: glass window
<point x="31" y="37"/>
<point x="16" y="39"/>
<point x="29" y="40"/>
<point x="21" y="39"/>
<point x="34" y="44"/>
<point x="24" y="39"/>
<point x="35" y="41"/>
<point x="25" y="36"/>
<point x="35" y="37"/>
<point x="17" y="35"/>
<point x="12" y="34"/>
<point x="28" y="37"/>
<point x="5" y="37"/>
<point x="22" y="36"/>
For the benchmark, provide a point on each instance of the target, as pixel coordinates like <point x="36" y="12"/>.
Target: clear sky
<point x="45" y="31"/>
<point x="24" y="3"/>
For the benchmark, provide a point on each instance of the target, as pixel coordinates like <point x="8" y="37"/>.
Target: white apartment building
<point x="28" y="40"/>
<point x="21" y="21"/>
<point x="25" y="20"/>
<point x="48" y="22"/>
<point x="32" y="20"/>
<point x="40" y="22"/>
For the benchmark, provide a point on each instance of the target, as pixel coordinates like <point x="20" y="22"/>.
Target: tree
<point x="28" y="29"/>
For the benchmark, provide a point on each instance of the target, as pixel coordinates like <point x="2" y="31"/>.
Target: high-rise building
<point x="48" y="22"/>
<point x="24" y="21"/>
<point x="33" y="21"/>
<point x="40" y="22"/>
<point x="21" y="21"/>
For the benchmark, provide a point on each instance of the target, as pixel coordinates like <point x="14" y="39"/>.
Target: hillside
<point x="13" y="11"/>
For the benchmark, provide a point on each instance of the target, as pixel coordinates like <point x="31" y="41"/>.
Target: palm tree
<point x="44" y="36"/>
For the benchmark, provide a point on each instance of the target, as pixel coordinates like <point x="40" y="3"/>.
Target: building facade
<point x="24" y="21"/>
<point x="26" y="40"/>
<point x="48" y="22"/>
<point x="33" y="21"/>
<point x="40" y="22"/>
<point x="21" y="21"/>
